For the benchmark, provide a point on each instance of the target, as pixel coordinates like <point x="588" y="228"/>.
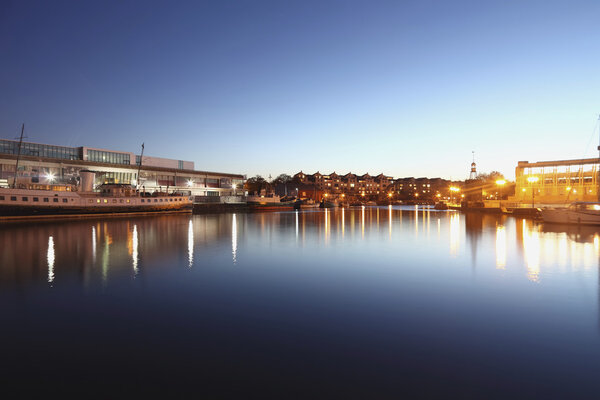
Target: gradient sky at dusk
<point x="407" y="88"/>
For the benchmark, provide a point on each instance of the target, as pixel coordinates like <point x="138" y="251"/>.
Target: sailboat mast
<point x="598" y="166"/>
<point x="140" y="166"/>
<point x="18" y="156"/>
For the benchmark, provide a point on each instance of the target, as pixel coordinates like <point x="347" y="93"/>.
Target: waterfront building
<point x="348" y="184"/>
<point x="424" y="188"/>
<point x="556" y="182"/>
<point x="45" y="164"/>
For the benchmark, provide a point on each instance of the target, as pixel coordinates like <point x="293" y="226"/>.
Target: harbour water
<point x="374" y="302"/>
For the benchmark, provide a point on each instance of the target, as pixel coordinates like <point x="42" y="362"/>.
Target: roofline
<point x="527" y="164"/>
<point x="125" y="166"/>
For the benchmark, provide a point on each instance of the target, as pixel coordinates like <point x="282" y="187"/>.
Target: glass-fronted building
<point x="44" y="164"/>
<point x="556" y="182"/>
<point x="40" y="150"/>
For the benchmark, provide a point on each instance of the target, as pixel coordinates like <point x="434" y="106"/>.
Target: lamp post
<point x="501" y="183"/>
<point x="532" y="180"/>
<point x="453" y="189"/>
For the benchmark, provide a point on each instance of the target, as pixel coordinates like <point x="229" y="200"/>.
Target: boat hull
<point x="566" y="216"/>
<point x="22" y="211"/>
<point x="34" y="203"/>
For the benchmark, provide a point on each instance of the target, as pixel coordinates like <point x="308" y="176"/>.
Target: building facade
<point x="352" y="185"/>
<point x="556" y="182"/>
<point x="45" y="164"/>
<point x="348" y="184"/>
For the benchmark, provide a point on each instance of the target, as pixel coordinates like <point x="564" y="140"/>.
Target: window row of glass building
<point x="108" y="157"/>
<point x="62" y="152"/>
<point x="40" y="150"/>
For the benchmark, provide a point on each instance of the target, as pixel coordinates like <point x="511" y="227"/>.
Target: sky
<point x="407" y="88"/>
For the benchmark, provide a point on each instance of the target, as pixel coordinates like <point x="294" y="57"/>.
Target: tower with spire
<point x="473" y="174"/>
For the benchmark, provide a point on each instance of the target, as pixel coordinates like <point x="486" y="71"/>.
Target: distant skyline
<point x="407" y="88"/>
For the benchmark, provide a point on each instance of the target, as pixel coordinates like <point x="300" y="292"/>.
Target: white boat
<point x="583" y="213"/>
<point x="41" y="200"/>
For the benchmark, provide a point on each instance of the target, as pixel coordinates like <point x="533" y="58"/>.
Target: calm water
<point x="365" y="303"/>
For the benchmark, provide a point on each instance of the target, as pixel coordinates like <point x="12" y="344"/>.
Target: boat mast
<point x="140" y="167"/>
<point x="18" y="156"/>
<point x="598" y="167"/>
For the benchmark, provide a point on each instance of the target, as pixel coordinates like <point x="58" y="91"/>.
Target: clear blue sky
<point x="408" y="88"/>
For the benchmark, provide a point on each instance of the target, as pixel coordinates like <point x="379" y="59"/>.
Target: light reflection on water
<point x="416" y="286"/>
<point x="50" y="258"/>
<point x="538" y="248"/>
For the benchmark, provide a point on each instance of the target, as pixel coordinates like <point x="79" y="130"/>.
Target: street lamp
<point x="234" y="186"/>
<point x="532" y="180"/>
<point x="501" y="183"/>
<point x="453" y="189"/>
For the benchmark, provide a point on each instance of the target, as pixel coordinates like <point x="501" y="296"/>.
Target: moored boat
<point x="40" y="200"/>
<point x="584" y="213"/>
<point x="440" y="205"/>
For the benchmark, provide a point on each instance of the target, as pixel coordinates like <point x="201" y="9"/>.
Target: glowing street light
<point x="49" y="177"/>
<point x="501" y="183"/>
<point x="453" y="189"/>
<point x="190" y="183"/>
<point x="233" y="187"/>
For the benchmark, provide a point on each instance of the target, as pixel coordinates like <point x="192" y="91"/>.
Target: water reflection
<point x="454" y="233"/>
<point x="190" y="244"/>
<point x="134" y="250"/>
<point x="501" y="243"/>
<point x="94" y="243"/>
<point x="500" y="246"/>
<point x="362" y="225"/>
<point x="390" y="220"/>
<point x="234" y="238"/>
<point x="305" y="286"/>
<point x="50" y="258"/>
